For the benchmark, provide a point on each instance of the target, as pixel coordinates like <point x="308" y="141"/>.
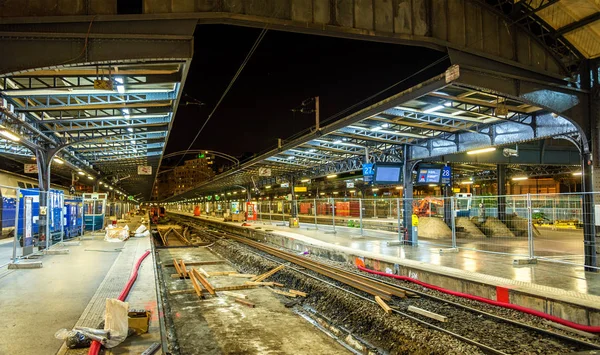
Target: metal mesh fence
<point x="548" y="227"/>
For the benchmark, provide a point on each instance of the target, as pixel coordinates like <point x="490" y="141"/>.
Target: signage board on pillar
<point x="446" y="174"/>
<point x="285" y="184"/>
<point x="349" y="185"/>
<point x="30" y="168"/>
<point x="368" y="173"/>
<point x="300" y="189"/>
<point x="144" y="170"/>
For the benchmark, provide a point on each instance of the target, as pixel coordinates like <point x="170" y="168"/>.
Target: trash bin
<point x="294" y="222"/>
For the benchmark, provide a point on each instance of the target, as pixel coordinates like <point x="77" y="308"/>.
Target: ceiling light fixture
<point x="433" y="109"/>
<point x="483" y="150"/>
<point x="7" y="134"/>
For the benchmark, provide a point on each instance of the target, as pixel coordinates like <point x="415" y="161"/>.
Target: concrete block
<point x="302" y="11"/>
<point x="321" y="10"/>
<point x="72" y="243"/>
<point x="421" y="17"/>
<point x="594" y="317"/>
<point x="26" y="265"/>
<point x="456" y="18"/>
<point x="403" y="19"/>
<point x="345" y="13"/>
<point x="363" y="14"/>
<point x="156" y="6"/>
<point x="103" y="7"/>
<point x="529" y="301"/>
<point x="384" y="15"/>
<point x="56" y="251"/>
<point x="568" y="311"/>
<point x="183" y="5"/>
<point x="71" y="7"/>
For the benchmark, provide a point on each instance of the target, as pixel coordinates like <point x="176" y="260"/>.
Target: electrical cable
<point x="237" y="74"/>
<point x="95" y="347"/>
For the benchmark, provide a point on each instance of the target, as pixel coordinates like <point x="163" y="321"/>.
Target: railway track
<point x="398" y="296"/>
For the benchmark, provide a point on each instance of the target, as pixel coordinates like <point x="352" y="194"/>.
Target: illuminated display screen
<point x="429" y="174"/>
<point x="388" y="173"/>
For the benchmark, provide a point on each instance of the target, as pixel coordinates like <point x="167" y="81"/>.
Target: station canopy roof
<point x="576" y="20"/>
<point x="435" y="118"/>
<point x="109" y="118"/>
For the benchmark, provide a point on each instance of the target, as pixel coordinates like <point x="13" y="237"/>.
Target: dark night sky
<point x="285" y="69"/>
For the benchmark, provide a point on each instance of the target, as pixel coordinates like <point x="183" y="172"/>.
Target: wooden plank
<point x="183" y="269"/>
<point x="247" y="276"/>
<point x="235" y="295"/>
<point x="234" y="288"/>
<point x="195" y="284"/>
<point x="222" y="273"/>
<point x="177" y="276"/>
<point x="196" y="263"/>
<point x="428" y="314"/>
<point x="255" y="283"/>
<point x="383" y="305"/>
<point x="204" y="282"/>
<point x="299" y="293"/>
<point x="177" y="268"/>
<point x="245" y="303"/>
<point x="268" y="274"/>
<point x="182" y="292"/>
<point x="571" y="330"/>
<point x="203" y="272"/>
<point x="282" y="292"/>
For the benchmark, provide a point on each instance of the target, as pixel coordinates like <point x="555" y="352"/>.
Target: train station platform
<point x="70" y="290"/>
<point x="566" y="291"/>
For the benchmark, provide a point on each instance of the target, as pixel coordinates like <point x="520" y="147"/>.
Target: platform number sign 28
<point x="446" y="173"/>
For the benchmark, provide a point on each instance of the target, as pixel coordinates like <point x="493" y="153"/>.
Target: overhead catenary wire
<point x="233" y="80"/>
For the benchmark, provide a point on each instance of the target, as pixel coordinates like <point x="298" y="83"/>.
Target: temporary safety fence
<point x="531" y="227"/>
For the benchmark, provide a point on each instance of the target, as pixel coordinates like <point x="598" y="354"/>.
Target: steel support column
<point x="447" y="192"/>
<point x="44" y="163"/>
<point x="411" y="237"/>
<point x="589" y="228"/>
<point x="501" y="192"/>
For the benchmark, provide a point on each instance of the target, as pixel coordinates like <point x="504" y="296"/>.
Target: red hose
<point x="585" y="328"/>
<point x="95" y="347"/>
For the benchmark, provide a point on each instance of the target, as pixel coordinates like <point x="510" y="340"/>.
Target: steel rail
<point x="388" y="286"/>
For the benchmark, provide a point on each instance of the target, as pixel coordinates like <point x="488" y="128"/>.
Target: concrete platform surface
<point x="35" y="303"/>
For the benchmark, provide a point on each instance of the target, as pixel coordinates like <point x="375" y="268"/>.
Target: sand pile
<point x="470" y="230"/>
<point x="433" y="228"/>
<point x="493" y="227"/>
<point x="519" y="225"/>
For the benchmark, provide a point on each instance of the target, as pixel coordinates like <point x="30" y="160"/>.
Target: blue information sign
<point x="446" y="174"/>
<point x="368" y="173"/>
